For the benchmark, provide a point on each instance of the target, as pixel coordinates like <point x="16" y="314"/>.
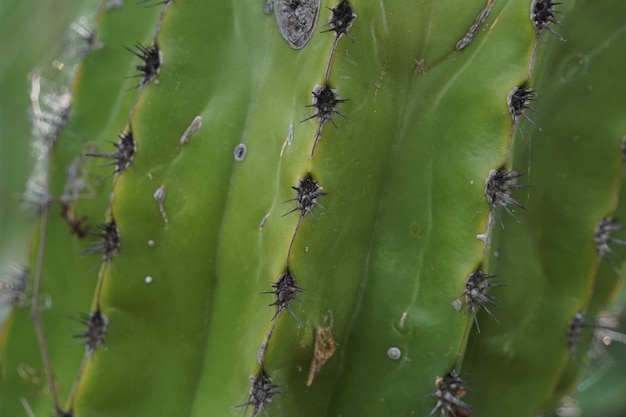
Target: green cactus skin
<point x="382" y="256"/>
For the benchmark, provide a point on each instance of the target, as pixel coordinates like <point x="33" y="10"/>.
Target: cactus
<point x="330" y="208"/>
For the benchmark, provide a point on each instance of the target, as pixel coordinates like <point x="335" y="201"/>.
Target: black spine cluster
<point x="519" y="100"/>
<point x="126" y="148"/>
<point x="95" y="330"/>
<point x="325" y="100"/>
<point x="152" y="60"/>
<point x="450" y="390"/>
<point x="603" y="237"/>
<point x="498" y="190"/>
<point x="109" y="244"/>
<point x="286" y="290"/>
<point x="574" y="329"/>
<point x="475" y="293"/>
<point x="262" y="393"/>
<point x="341" y="19"/>
<point x="307" y="193"/>
<point x="543" y="15"/>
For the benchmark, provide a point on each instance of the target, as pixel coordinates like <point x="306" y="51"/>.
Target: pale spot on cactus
<point x="50" y="112"/>
<point x="151" y="243"/>
<point x="287" y="141"/>
<point x="471" y="32"/>
<point x="152" y="60"/>
<point x="195" y="124"/>
<point x="240" y="152"/>
<point x="159" y="197"/>
<point x="324" y="347"/>
<point x="450" y="390"/>
<point x="394" y="353"/>
<point x="260" y="356"/>
<point x="296" y="19"/>
<point x="148" y="279"/>
<point x="263" y="221"/>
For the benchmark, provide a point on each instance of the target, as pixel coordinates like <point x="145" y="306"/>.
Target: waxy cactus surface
<point x="322" y="208"/>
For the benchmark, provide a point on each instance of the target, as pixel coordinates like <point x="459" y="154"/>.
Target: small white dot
<point x="394" y="353"/>
<point x="151" y="243"/>
<point x="472" y="182"/>
<point x="148" y="279"/>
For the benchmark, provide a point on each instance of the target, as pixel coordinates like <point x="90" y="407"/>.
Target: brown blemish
<point x="325" y="346"/>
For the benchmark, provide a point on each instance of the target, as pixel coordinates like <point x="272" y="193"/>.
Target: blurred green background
<point x="35" y="33"/>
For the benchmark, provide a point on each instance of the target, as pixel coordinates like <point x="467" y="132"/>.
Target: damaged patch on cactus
<point x="152" y="60"/>
<point x="519" y="100"/>
<point x="195" y="124"/>
<point x="93" y="335"/>
<point x="296" y="20"/>
<point x="159" y="197"/>
<point x="325" y="100"/>
<point x="603" y="237"/>
<point x="286" y="290"/>
<point x="499" y="185"/>
<point x="450" y="390"/>
<point x="543" y="14"/>
<point x="324" y="347"/>
<point x="307" y="193"/>
<point x="109" y="244"/>
<point x="262" y="393"/>
<point x="126" y="149"/>
<point x="478" y="22"/>
<point x="341" y="19"/>
<point x="476" y="295"/>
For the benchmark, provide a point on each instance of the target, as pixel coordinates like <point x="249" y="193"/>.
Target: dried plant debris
<point x="450" y="390"/>
<point x="519" y="100"/>
<point x="603" y="238"/>
<point x="476" y="287"/>
<point x="286" y="290"/>
<point x="307" y="193"/>
<point x="543" y="15"/>
<point x="109" y="243"/>
<point x="152" y="60"/>
<point x="324" y="347"/>
<point x="95" y="330"/>
<point x="296" y="19"/>
<point x="126" y="148"/>
<point x="262" y="393"/>
<point x="341" y="19"/>
<point x="499" y="185"/>
<point x="13" y="286"/>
